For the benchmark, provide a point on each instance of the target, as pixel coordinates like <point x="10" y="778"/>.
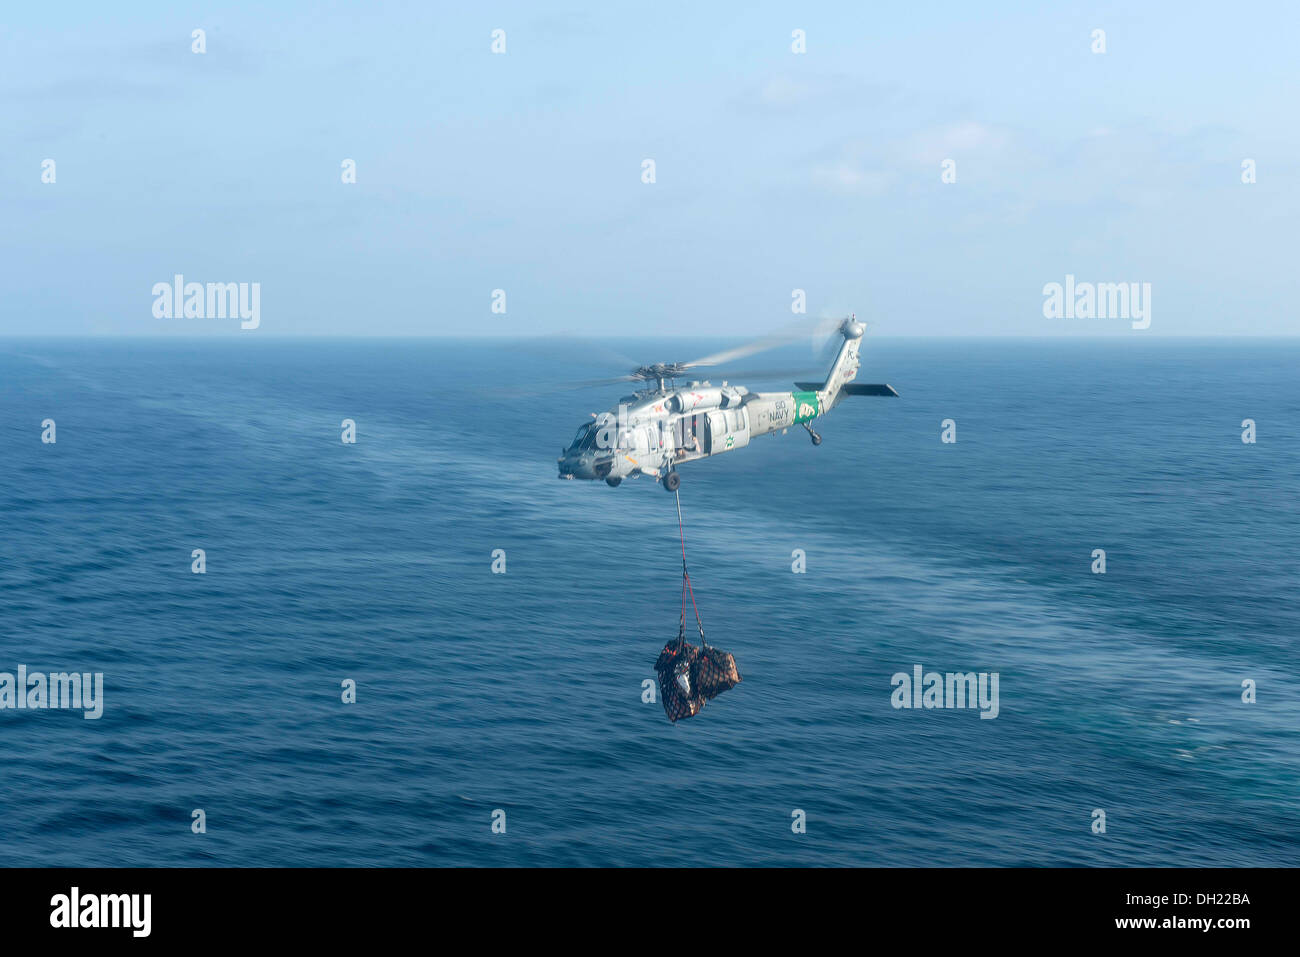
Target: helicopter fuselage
<point x="659" y="428"/>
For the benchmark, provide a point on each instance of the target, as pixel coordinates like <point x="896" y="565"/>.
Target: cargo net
<point x="690" y="676"/>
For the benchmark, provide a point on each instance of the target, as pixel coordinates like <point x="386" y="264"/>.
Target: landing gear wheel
<point x="613" y="482"/>
<point x="816" y="439"/>
<point x="672" y="481"/>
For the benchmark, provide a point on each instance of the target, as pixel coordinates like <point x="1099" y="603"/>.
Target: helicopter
<point x="662" y="426"/>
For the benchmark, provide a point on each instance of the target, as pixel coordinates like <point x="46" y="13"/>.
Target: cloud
<point x="848" y="177"/>
<point x="957" y="139"/>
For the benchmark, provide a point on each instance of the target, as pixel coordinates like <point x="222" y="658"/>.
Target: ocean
<point x="518" y="697"/>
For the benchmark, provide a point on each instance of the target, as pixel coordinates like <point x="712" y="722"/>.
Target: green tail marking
<point x="806" y="406"/>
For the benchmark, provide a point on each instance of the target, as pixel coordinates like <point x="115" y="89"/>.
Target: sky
<point x="774" y="170"/>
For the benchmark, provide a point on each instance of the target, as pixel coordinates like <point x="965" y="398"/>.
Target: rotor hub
<point x="659" y="370"/>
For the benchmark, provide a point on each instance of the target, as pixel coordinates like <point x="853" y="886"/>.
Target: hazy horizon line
<point x="507" y="337"/>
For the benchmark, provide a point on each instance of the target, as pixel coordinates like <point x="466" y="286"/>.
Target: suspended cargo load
<point x="690" y="676"/>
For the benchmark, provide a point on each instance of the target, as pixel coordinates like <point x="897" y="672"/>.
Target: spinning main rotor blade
<point x="763" y="375"/>
<point x="739" y="352"/>
<point x="793" y="333"/>
<point x="819" y="331"/>
<point x="756" y="374"/>
<point x="614" y="380"/>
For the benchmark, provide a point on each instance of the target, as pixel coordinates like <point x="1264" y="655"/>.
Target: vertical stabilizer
<point x="845" y="367"/>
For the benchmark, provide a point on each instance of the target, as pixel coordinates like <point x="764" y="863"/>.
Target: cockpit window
<point x="585" y="438"/>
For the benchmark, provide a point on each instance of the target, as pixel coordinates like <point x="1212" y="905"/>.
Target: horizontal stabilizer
<point x="854" y="388"/>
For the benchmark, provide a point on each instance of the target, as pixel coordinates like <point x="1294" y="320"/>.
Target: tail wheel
<point x="672" y="481"/>
<point x="613" y="482"/>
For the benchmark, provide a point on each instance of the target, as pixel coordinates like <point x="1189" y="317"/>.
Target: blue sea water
<point x="523" y="691"/>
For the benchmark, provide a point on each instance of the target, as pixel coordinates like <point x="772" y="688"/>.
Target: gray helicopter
<point x="660" y="427"/>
